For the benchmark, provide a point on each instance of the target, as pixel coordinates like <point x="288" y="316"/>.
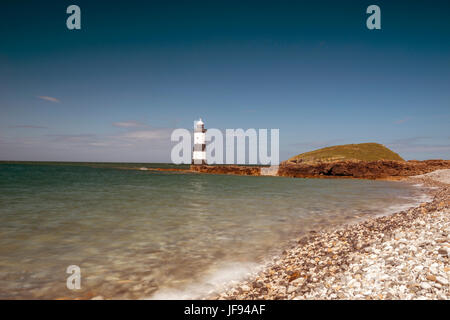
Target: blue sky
<point x="114" y="90"/>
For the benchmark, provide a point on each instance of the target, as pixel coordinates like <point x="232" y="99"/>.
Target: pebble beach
<point x="405" y="255"/>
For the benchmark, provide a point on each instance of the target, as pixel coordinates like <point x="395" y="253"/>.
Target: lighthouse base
<point x="199" y="162"/>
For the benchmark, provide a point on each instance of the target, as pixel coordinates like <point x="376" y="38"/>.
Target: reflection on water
<point x="138" y="234"/>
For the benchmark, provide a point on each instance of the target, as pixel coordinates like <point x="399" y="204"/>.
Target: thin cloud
<point x="51" y="99"/>
<point x="128" y="124"/>
<point x="402" y="120"/>
<point x="73" y="138"/>
<point x="317" y="144"/>
<point x="154" y="134"/>
<point x="409" y="141"/>
<point x="160" y="136"/>
<point x="421" y="144"/>
<point x="27" y="126"/>
<point x="144" y="145"/>
<point x="422" y="148"/>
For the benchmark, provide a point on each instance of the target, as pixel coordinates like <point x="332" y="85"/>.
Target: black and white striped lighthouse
<point x="199" y="154"/>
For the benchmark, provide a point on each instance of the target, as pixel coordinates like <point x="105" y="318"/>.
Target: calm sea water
<point x="142" y="234"/>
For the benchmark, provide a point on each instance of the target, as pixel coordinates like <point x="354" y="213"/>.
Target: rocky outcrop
<point x="228" y="169"/>
<point x="380" y="169"/>
<point x="360" y="169"/>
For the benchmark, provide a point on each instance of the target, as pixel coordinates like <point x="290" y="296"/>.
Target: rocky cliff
<point x="361" y="169"/>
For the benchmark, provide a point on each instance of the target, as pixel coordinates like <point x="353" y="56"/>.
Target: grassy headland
<point x="361" y="151"/>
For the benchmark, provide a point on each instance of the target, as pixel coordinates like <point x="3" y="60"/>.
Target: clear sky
<point x="114" y="90"/>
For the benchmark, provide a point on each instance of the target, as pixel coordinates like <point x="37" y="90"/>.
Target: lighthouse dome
<point x="200" y="122"/>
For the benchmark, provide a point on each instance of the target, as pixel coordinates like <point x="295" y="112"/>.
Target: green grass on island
<point x="361" y="151"/>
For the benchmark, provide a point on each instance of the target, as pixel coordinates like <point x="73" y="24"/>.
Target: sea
<point x="144" y="234"/>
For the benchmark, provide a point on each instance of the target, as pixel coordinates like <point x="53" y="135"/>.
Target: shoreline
<point x="403" y="255"/>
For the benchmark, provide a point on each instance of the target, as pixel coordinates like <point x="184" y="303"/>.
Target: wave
<point x="216" y="281"/>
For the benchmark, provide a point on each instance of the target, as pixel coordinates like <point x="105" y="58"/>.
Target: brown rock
<point x="294" y="276"/>
<point x="431" y="278"/>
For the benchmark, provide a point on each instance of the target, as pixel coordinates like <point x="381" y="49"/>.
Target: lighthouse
<point x="199" y="154"/>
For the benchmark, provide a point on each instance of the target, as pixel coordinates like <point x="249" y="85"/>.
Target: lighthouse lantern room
<point x="199" y="154"/>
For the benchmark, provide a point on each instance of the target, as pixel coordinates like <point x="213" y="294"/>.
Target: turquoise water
<point x="141" y="234"/>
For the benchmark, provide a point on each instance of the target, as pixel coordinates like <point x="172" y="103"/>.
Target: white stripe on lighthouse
<point x="199" y="152"/>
